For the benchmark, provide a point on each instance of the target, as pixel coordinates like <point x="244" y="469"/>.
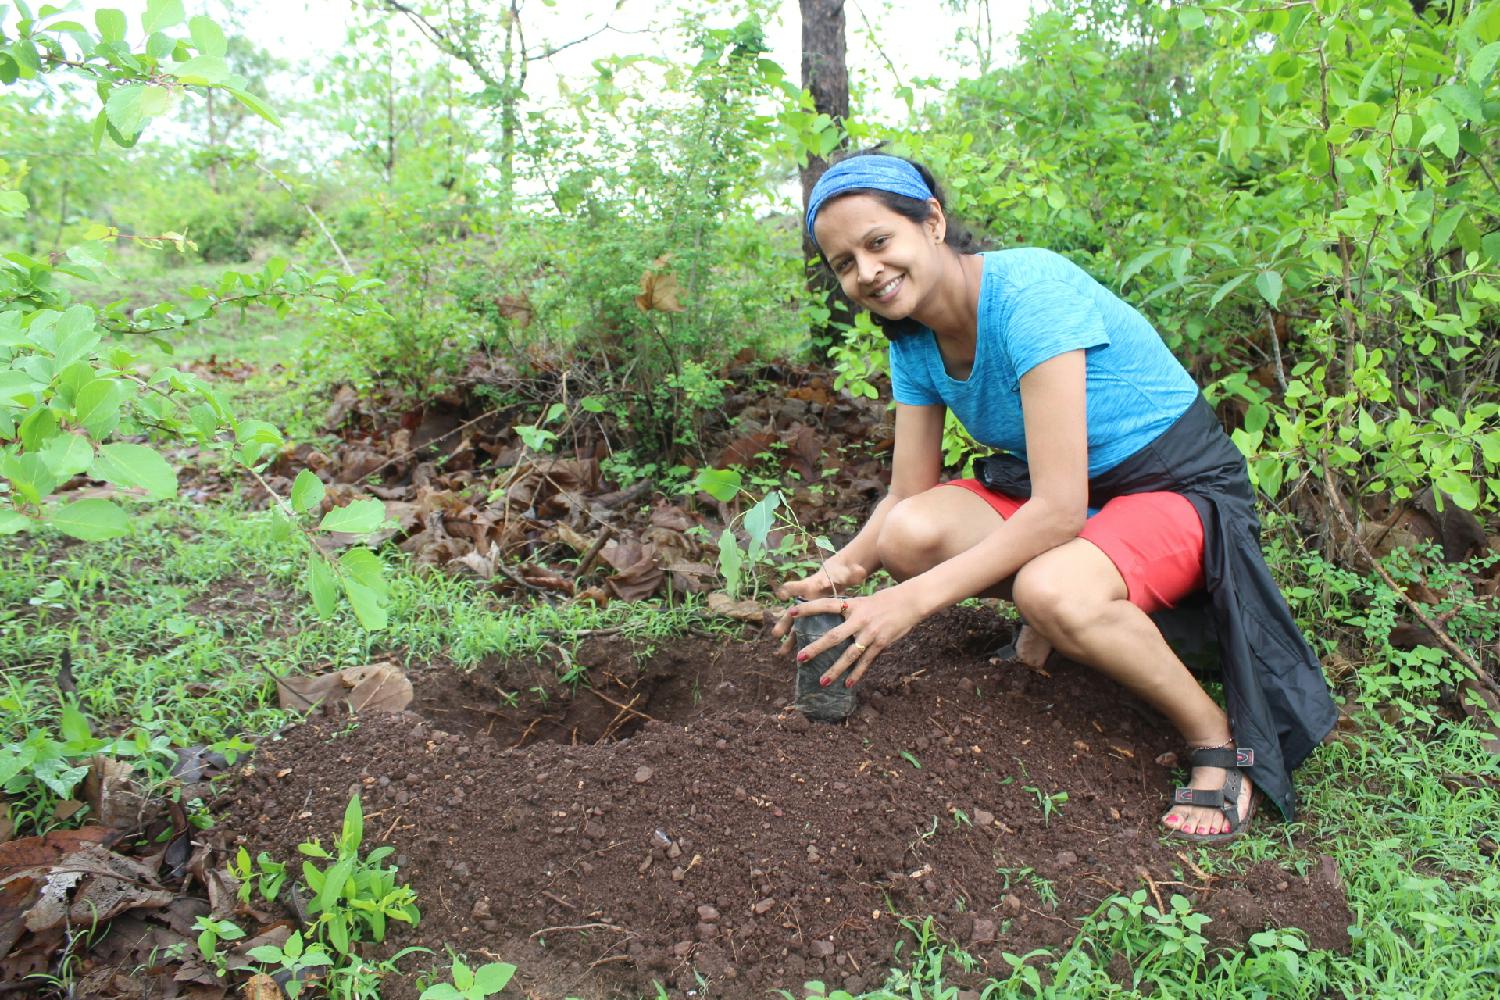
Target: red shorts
<point x="1155" y="540"/>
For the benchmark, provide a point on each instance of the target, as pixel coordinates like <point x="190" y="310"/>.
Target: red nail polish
<point x="823" y="681"/>
<point x="793" y="613"/>
<point x="849" y="683"/>
<point x="801" y="657"/>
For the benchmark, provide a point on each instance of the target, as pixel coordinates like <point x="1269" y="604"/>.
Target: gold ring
<point x="861" y="646"/>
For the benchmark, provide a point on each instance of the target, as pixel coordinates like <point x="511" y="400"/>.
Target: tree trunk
<point x="825" y="75"/>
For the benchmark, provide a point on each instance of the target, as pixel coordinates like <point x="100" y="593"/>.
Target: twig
<point x="309" y="210"/>
<point x="1151" y="882"/>
<point x="1337" y="502"/>
<point x="425" y="444"/>
<point x="577" y="927"/>
<point x="591" y="554"/>
<point x="622" y="708"/>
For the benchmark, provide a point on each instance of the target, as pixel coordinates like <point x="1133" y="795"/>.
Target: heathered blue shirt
<point x="1033" y="306"/>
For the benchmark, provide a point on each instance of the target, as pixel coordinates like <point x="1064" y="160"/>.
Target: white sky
<point x="918" y="38"/>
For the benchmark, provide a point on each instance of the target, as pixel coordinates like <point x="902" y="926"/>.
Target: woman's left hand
<point x="873" y="623"/>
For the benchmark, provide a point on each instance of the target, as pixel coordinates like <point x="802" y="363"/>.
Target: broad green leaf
<point x="593" y="404"/>
<point x="13" y="204"/>
<point x="90" y="520"/>
<point x="1140" y="262"/>
<point x="1190" y="18"/>
<point x="161" y="14"/>
<point x="1442" y="230"/>
<point x="201" y="69"/>
<point x="1462" y="101"/>
<point x="307" y="491"/>
<point x="255" y="104"/>
<point x="1228" y="286"/>
<point x="29" y="476"/>
<point x="758" y="521"/>
<point x="18" y="388"/>
<point x="111" y="24"/>
<point x="441" y="991"/>
<point x="12" y="522"/>
<point x="1362" y="115"/>
<point x="731" y="559"/>
<point x="322" y="585"/>
<point x="1483" y="64"/>
<point x="492" y="978"/>
<point x="1268" y="283"/>
<point x="1256" y="418"/>
<point x="208" y="37"/>
<point x="364" y="585"/>
<point x="463" y="976"/>
<point x="39" y="427"/>
<point x="73" y="725"/>
<point x="359" y="517"/>
<point x="721" y="484"/>
<point x="334" y="884"/>
<point x="368" y="606"/>
<point x="97" y="408"/>
<point x="136" y="466"/>
<point x="131" y="106"/>
<point x="67" y="455"/>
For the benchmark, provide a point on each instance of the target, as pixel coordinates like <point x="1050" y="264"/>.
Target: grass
<point x="176" y="631"/>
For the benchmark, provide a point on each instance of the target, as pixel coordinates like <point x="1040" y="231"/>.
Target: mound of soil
<point x="673" y="821"/>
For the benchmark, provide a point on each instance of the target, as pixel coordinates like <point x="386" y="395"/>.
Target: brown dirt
<point x="602" y="852"/>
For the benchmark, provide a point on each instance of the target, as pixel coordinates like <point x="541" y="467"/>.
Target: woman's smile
<point x="886" y="292"/>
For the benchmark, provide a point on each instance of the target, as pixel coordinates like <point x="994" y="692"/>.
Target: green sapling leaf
<point x="493" y="977"/>
<point x="360" y="517"/>
<point x="721" y="484"/>
<point x="322" y="585"/>
<point x="135" y="466"/>
<point x="758" y="521"/>
<point x="307" y="491"/>
<point x="731" y="559"/>
<point x="90" y="520"/>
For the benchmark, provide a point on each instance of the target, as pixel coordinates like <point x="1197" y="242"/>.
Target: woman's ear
<point x="936" y="222"/>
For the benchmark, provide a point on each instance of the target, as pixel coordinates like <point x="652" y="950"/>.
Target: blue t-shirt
<point x="1033" y="306"/>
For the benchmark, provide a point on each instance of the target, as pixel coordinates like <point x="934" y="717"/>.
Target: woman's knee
<point x="1050" y="598"/>
<point x="912" y="539"/>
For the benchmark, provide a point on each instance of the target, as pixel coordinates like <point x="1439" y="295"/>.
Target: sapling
<point x="828" y="704"/>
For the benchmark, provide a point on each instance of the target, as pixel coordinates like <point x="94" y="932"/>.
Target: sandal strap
<point x="1225" y="799"/>
<point x="1225" y="757"/>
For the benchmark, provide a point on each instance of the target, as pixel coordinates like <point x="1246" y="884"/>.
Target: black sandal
<point x="1225" y="799"/>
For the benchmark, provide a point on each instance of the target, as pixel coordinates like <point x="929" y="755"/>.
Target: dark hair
<point x="958" y="236"/>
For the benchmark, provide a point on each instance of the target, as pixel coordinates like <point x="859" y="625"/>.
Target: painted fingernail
<point x="823" y="681"/>
<point x="801" y="657"/>
<point x="792" y="613"/>
<point x="849" y="683"/>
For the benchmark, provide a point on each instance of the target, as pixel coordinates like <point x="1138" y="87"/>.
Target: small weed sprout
<point x="293" y="959"/>
<point x="471" y="984"/>
<point x="210" y="933"/>
<point x="1049" y="804"/>
<point x="354" y="898"/>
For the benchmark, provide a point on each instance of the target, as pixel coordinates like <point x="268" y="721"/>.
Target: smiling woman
<point x="1115" y="493"/>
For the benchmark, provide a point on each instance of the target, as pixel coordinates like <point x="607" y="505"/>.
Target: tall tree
<point x="825" y="75"/>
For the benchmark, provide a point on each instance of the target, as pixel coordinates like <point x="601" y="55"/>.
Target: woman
<point x="1091" y="410"/>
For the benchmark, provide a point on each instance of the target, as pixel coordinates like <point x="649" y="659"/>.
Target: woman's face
<point x="883" y="261"/>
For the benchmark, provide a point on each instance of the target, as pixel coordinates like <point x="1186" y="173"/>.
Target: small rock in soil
<point x="763" y="906"/>
<point x="708" y="914"/>
<point x="643" y="774"/>
<point x="1066" y="859"/>
<point x="821" y="949"/>
<point x="983" y="818"/>
<point x="705" y="931"/>
<point x="983" y="932"/>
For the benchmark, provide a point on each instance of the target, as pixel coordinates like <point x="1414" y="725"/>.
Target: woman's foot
<point x="1031" y="648"/>
<point x="1202" y="821"/>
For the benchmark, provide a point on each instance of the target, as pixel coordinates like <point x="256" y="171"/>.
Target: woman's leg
<point x="1075" y="597"/>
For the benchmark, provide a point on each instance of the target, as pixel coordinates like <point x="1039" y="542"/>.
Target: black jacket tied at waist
<point x="1278" y="700"/>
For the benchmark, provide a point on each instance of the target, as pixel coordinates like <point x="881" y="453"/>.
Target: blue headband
<point x="876" y="171"/>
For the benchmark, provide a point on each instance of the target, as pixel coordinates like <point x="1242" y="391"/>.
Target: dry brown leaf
<point x="721" y="603"/>
<point x="372" y="689"/>
<point x="516" y="308"/>
<point x="659" y="288"/>
<point x="262" y="987"/>
<point x="111" y="796"/>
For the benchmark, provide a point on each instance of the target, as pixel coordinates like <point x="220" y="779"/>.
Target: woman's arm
<point x="916" y="464"/>
<point x="1053" y="400"/>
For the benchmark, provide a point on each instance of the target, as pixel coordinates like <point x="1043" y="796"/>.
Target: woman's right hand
<point x="832" y="578"/>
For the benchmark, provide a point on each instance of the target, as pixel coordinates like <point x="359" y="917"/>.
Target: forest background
<point x="208" y="246"/>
